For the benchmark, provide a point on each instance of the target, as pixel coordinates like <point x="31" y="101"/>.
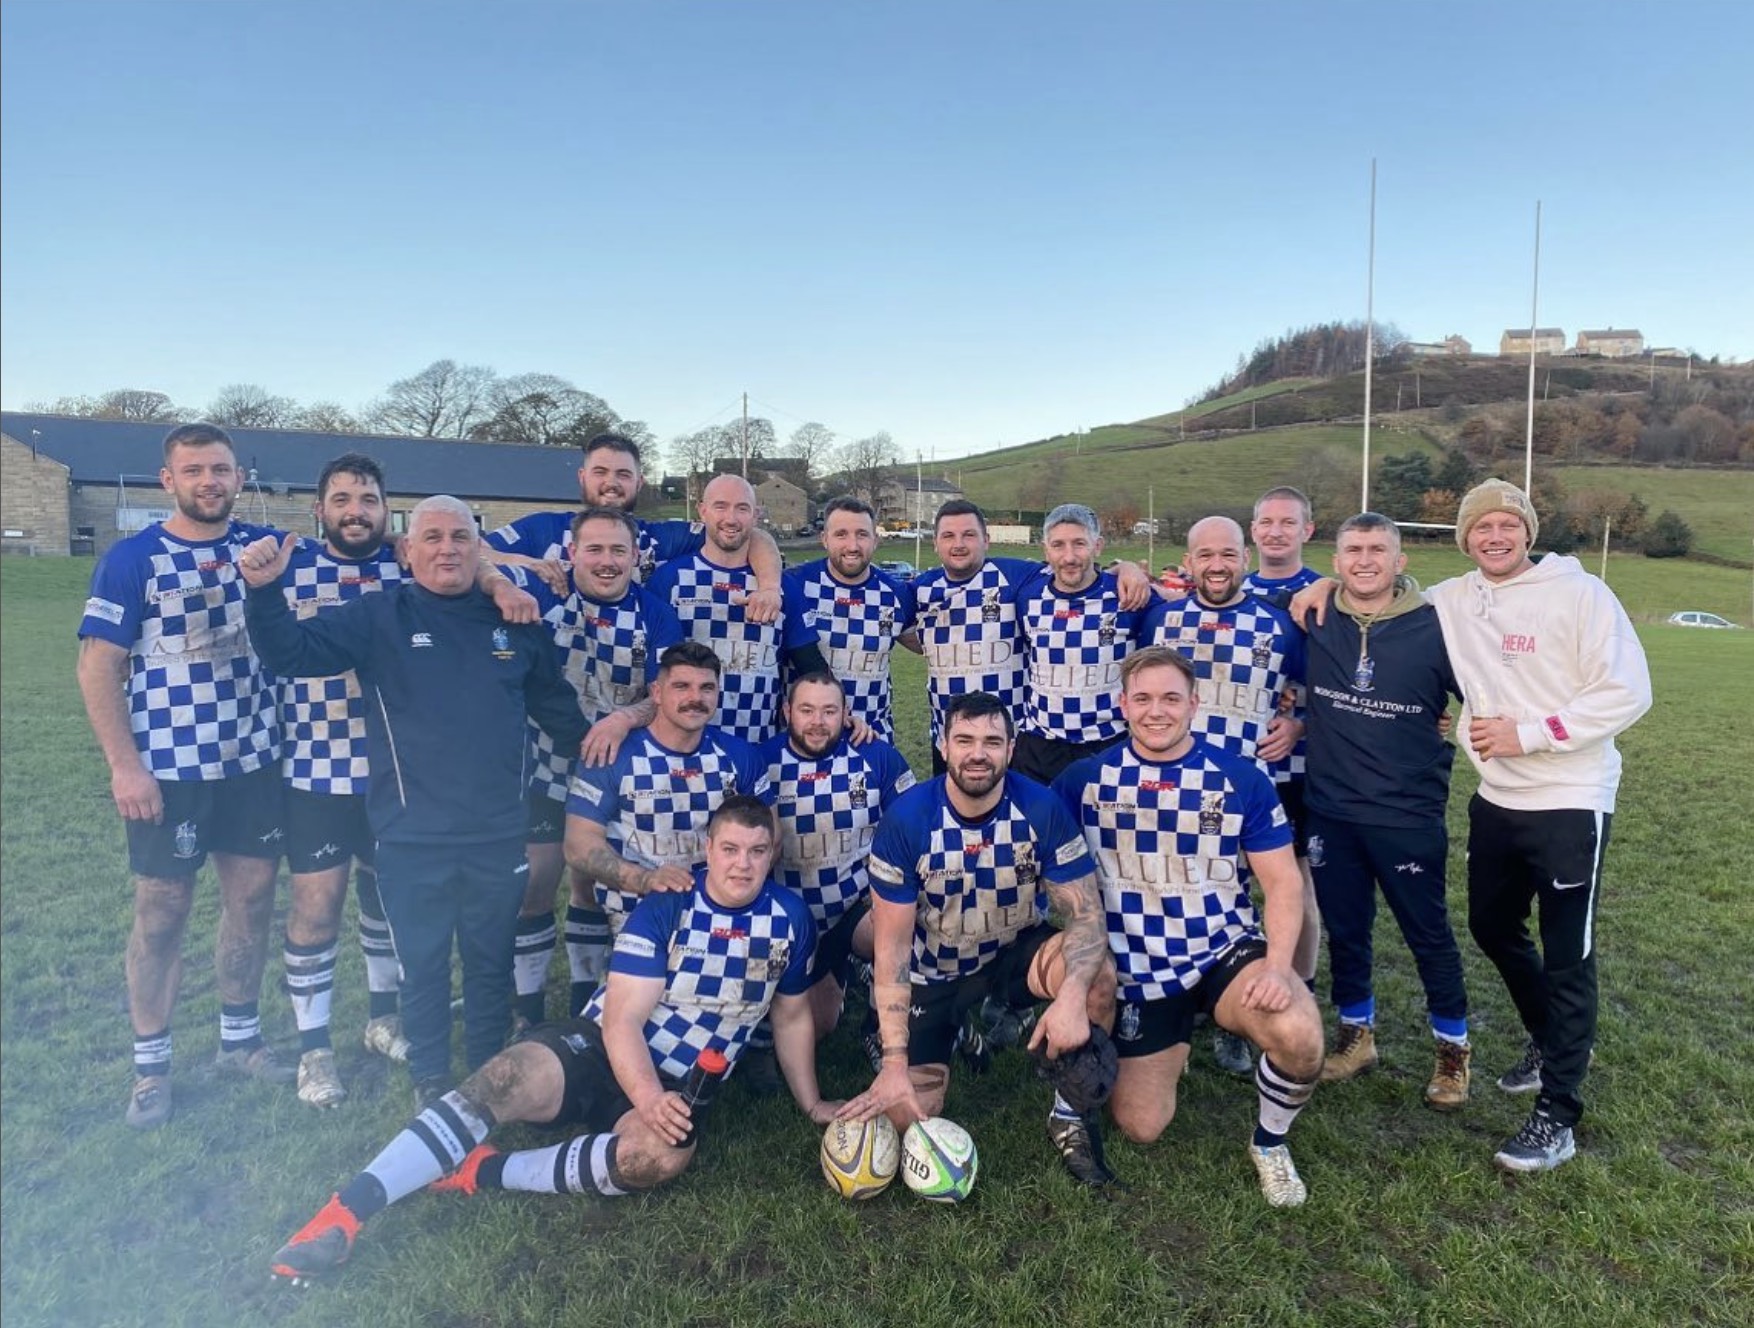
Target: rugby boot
<point x="1079" y="1141"/>
<point x="466" y="1179"/>
<point x="259" y="1063"/>
<point x="318" y="1081"/>
<point x="319" y="1246"/>
<point x="383" y="1036"/>
<point x="149" y="1105"/>
<point x="1280" y="1183"/>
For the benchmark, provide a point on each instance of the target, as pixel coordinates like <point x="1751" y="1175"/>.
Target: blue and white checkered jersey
<point x="322" y="720"/>
<point x="970" y="634"/>
<point x="1245" y="656"/>
<point x="1278" y="590"/>
<point x="1075" y="644"/>
<point x="199" y="704"/>
<point x="653" y="803"/>
<point x="976" y="884"/>
<point x="857" y="627"/>
<point x="1168" y="839"/>
<point x="829" y="807"/>
<point x="549" y="535"/>
<point x="609" y="653"/>
<point x="709" y="601"/>
<point x="722" y="968"/>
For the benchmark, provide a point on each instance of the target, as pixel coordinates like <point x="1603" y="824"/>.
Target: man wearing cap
<point x="1550" y="671"/>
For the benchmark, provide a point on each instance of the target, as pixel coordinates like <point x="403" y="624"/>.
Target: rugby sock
<point x="1450" y="1030"/>
<point x="1359" y="1012"/>
<point x="383" y="976"/>
<point x="1280" y="1098"/>
<point x="583" y="1165"/>
<point x="433" y="1144"/>
<point x="587" y="952"/>
<point x="240" y="1026"/>
<point x="1063" y="1110"/>
<point x="310" y="981"/>
<point x="152" y="1055"/>
<point x="532" y="950"/>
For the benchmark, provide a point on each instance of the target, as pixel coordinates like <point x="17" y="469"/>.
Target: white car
<point x="1695" y="618"/>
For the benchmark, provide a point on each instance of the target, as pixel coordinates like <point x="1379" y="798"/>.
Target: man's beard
<point x="353" y="545"/>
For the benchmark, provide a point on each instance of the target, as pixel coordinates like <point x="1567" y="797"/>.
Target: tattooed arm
<point x="893" y="1091"/>
<point x="588" y="853"/>
<point x="1081" y="962"/>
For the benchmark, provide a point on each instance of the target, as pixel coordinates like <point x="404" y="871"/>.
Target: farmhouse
<point x="913" y="499"/>
<point x="1546" y="341"/>
<point x="1612" y="343"/>
<point x="1453" y="344"/>
<point x="71" y="485"/>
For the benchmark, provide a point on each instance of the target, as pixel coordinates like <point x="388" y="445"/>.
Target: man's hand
<point x="137" y="794"/>
<point x="553" y="572"/>
<point x="1494" y="737"/>
<point x="891" y="1093"/>
<point x="858" y="731"/>
<point x="761" y="607"/>
<point x="1132" y="585"/>
<point x="1281" y="736"/>
<point x="514" y="605"/>
<point x="669" y="878"/>
<point x="263" y="560"/>
<point x="605" y="739"/>
<point x="1313" y="596"/>
<point x="1268" y="989"/>
<point x="825" y="1111"/>
<point x="1445" y="722"/>
<point x="667" y="1116"/>
<point x="1064" y="1026"/>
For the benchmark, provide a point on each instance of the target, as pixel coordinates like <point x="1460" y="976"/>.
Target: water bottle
<point x="697" y="1090"/>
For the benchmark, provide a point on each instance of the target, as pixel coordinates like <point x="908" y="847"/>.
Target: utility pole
<point x="1534" y="319"/>
<point x="746" y="435"/>
<point x="1369" y="340"/>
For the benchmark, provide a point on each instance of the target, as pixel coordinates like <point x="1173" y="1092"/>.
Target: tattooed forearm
<point x="1079" y="905"/>
<point x="606" y="867"/>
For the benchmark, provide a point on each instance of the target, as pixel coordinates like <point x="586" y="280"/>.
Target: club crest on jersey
<point x="1211" y="812"/>
<point x="188" y="840"/>
<point x="1025" y="866"/>
<point x="857" y="793"/>
<point x="1127" y="1029"/>
<point x="1106" y="632"/>
<point x="886" y="621"/>
<point x="989" y="606"/>
<point x="502" y="643"/>
<point x="1262" y="653"/>
<point x="637" y="651"/>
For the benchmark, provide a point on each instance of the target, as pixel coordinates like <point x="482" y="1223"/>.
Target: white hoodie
<point x="1552" y="649"/>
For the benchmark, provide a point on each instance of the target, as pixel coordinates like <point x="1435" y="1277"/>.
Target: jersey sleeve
<point x="520" y="537"/>
<point x="1069" y="786"/>
<point x="118" y="593"/>
<point x="595" y="790"/>
<point x="894" y="862"/>
<point x="675" y="539"/>
<point x="1264" y="822"/>
<point x="796" y="631"/>
<point x="663" y="630"/>
<point x="798" y="978"/>
<point x="642" y="949"/>
<point x="752" y="772"/>
<point x="895" y="775"/>
<point x="1152" y="619"/>
<point x="1064" y="854"/>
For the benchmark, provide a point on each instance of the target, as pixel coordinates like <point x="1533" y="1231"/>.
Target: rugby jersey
<point x="549" y="535"/>
<point x="856" y="627"/>
<point x="200" y="706"/>
<point x="1075" y="643"/>
<point x="1168" y="839"/>
<point x="970" y="635"/>
<point x="1277" y="591"/>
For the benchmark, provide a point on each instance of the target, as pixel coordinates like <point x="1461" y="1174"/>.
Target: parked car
<point x="1695" y="618"/>
<point x="899" y="570"/>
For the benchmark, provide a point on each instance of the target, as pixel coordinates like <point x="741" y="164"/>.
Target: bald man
<point x="1247" y="658"/>
<point x="710" y="592"/>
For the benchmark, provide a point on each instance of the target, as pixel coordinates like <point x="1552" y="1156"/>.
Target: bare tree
<point x="865" y="460"/>
<point x="545" y="410"/>
<point x="694" y="453"/>
<point x="248" y="406"/>
<point x="326" y="417"/>
<point x="812" y="444"/>
<point x="443" y="400"/>
<point x="123" y="403"/>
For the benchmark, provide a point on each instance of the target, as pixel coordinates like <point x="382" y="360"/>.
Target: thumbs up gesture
<point x="263" y="560"/>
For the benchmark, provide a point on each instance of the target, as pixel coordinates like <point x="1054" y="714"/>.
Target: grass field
<point x="1407" y="1223"/>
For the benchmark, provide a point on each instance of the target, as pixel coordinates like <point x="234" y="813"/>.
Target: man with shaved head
<point x="710" y="592"/>
<point x="448" y="684"/>
<point x="1247" y="658"/>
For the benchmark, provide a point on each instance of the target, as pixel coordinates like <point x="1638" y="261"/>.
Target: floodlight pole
<point x="919" y="505"/>
<point x="1534" y="321"/>
<point x="1369" y="340"/>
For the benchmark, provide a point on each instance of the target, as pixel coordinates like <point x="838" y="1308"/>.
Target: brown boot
<point x="1448" y="1088"/>
<point x="1354" y="1052"/>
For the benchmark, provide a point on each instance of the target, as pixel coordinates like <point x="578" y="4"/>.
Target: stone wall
<point x="33" y="502"/>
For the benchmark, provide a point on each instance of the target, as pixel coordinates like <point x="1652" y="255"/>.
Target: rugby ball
<point x="859" y="1157"/>
<point x="938" y="1160"/>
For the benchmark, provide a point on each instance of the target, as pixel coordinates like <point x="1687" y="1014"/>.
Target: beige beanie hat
<point x="1494" y="496"/>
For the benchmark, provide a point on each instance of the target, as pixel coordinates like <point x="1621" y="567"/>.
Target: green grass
<point x="1407" y="1221"/>
<point x="1718" y="504"/>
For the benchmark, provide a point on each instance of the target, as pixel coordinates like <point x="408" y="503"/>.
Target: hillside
<point x="1307" y="432"/>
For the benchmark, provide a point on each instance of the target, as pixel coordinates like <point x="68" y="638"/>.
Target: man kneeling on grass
<point x="691" y="970"/>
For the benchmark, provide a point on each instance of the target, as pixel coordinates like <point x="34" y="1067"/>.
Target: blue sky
<point x="966" y="223"/>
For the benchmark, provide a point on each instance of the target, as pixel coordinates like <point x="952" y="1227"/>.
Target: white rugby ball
<point x="938" y="1160"/>
<point x="859" y="1158"/>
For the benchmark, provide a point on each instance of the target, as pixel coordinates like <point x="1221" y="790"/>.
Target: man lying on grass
<point x="692" y="970"/>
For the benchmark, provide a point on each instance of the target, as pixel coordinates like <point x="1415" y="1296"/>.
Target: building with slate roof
<point x="74" y="485"/>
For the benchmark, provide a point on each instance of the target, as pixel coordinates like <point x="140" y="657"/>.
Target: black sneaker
<point x="971" y="1045"/>
<point x="1542" y="1144"/>
<point x="1525" y="1075"/>
<point x="1079" y="1140"/>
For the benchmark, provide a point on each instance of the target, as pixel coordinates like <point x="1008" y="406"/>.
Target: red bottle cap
<point x="712" y="1061"/>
